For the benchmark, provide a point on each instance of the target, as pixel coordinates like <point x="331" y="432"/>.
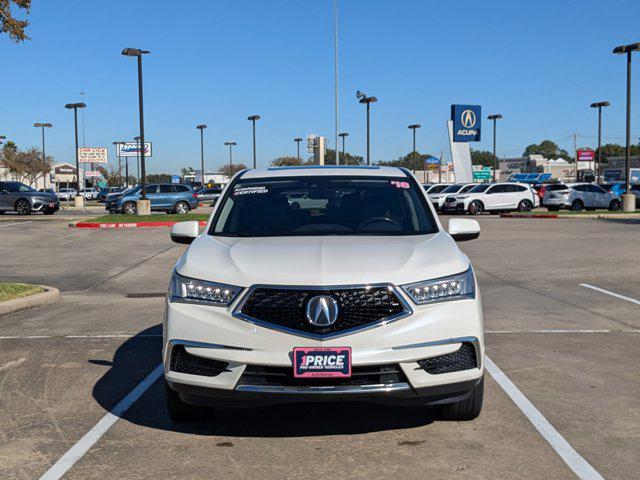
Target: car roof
<point x="325" y="170"/>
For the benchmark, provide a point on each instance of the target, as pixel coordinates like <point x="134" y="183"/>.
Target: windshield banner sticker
<point x="251" y="190"/>
<point x="399" y="184"/>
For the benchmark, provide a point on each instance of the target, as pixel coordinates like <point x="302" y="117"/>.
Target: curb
<point x="534" y="215"/>
<point x="51" y="295"/>
<point x="202" y="223"/>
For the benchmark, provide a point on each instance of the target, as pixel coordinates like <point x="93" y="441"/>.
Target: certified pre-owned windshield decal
<point x="399" y="184"/>
<point x="251" y="190"/>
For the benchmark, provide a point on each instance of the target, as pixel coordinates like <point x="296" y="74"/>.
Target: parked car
<point x="580" y="196"/>
<point x="274" y="303"/>
<point x="437" y="199"/>
<point x="102" y="194"/>
<point x="496" y="197"/>
<point x="16" y="196"/>
<point x="116" y="194"/>
<point x="432" y="189"/>
<point x="164" y="197"/>
<point x="209" y="194"/>
<point x="89" y="193"/>
<point x="67" y="193"/>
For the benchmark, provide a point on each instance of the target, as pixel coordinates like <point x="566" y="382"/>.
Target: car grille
<point x="357" y="307"/>
<point x="360" y="376"/>
<point x="183" y="362"/>
<point x="450" y="200"/>
<point x="462" y="359"/>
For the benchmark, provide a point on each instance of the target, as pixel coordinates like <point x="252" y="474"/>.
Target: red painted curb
<point x="535" y="215"/>
<point x="202" y="223"/>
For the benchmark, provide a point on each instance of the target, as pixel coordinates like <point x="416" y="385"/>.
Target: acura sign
<point x="466" y="122"/>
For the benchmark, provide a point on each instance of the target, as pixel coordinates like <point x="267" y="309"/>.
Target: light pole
<point x="599" y="106"/>
<point x="201" y="128"/>
<point x="137" y="139"/>
<point x="413" y="152"/>
<point x="145" y="207"/>
<point x="495" y="117"/>
<point x="230" y="145"/>
<point x="79" y="199"/>
<point x="44" y="155"/>
<point x="628" y="199"/>
<point x="118" y="149"/>
<point x="298" y="140"/>
<point x="362" y="98"/>
<point x="253" y="119"/>
<point x="343" y="135"/>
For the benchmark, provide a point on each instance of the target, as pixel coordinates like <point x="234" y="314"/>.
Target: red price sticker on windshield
<point x="399" y="184"/>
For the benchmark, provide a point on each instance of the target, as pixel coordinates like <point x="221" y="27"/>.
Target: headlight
<point x="189" y="290"/>
<point x="455" y="287"/>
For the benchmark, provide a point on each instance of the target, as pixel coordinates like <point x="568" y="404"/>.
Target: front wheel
<point x="181" y="208"/>
<point x="525" y="206"/>
<point x="614" y="205"/>
<point x="577" y="206"/>
<point x="475" y="208"/>
<point x="23" y="207"/>
<point x="129" y="208"/>
<point x="180" y="411"/>
<point x="467" y="409"/>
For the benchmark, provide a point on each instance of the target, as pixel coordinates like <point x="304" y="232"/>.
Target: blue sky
<point x="539" y="63"/>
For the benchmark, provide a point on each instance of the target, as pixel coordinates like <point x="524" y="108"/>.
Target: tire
<point x="614" y="205"/>
<point x="475" y="208"/>
<point x="129" y="208"/>
<point x="181" y="208"/>
<point x="577" y="206"/>
<point x="23" y="207"/>
<point x="525" y="206"/>
<point x="180" y="411"/>
<point x="553" y="209"/>
<point x="467" y="409"/>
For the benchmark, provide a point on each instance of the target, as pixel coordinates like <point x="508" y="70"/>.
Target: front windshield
<point x="437" y="188"/>
<point x="19" y="187"/>
<point x="323" y="205"/>
<point x="452" y="189"/>
<point x="480" y="188"/>
<point x="466" y="188"/>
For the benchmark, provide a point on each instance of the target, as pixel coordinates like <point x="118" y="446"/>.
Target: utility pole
<point x="575" y="152"/>
<point x="440" y="167"/>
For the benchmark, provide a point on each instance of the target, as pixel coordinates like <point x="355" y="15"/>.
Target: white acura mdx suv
<point x="360" y="296"/>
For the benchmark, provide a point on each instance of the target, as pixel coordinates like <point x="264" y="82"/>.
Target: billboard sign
<point x="586" y="155"/>
<point x="93" y="154"/>
<point x="466" y="120"/>
<point x="93" y="173"/>
<point x="132" y="149"/>
<point x="484" y="174"/>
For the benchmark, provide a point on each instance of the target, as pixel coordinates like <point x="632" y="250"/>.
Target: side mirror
<point x="463" y="229"/>
<point x="185" y="232"/>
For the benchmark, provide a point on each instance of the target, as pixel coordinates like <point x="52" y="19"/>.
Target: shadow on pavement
<point x="139" y="355"/>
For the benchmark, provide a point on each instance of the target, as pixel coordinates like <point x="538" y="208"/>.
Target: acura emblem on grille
<point x="322" y="310"/>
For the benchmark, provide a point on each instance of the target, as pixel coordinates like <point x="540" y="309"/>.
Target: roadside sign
<point x="92" y="173"/>
<point x="175" y="179"/>
<point x="484" y="174"/>
<point x="466" y="122"/>
<point x="132" y="149"/>
<point x="586" y="155"/>
<point x="93" y="154"/>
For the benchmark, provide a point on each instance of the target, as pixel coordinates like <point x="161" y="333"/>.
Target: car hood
<point x="322" y="260"/>
<point x="45" y="195"/>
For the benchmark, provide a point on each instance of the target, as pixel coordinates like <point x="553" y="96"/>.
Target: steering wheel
<point x="379" y="219"/>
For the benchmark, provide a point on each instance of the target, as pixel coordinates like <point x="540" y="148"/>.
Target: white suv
<point x="360" y="296"/>
<point x="497" y="197"/>
<point x="438" y="198"/>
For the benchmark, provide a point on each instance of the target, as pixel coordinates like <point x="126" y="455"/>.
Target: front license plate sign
<point x="51" y="204"/>
<point x="321" y="362"/>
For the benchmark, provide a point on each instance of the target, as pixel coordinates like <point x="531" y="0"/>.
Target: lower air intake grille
<point x="462" y="359"/>
<point x="183" y="362"/>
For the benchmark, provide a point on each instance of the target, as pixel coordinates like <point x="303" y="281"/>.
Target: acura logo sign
<point x="468" y="118"/>
<point x="322" y="311"/>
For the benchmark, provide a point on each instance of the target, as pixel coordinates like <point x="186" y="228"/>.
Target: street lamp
<point x="231" y="145"/>
<point x="599" y="106"/>
<point x="413" y="152"/>
<point x="495" y="117"/>
<point x="362" y="98"/>
<point x="137" y="139"/>
<point x="201" y="128"/>
<point x="253" y="119"/>
<point x="628" y="199"/>
<point x="298" y="140"/>
<point x="118" y="151"/>
<point x="44" y="155"/>
<point x="343" y="135"/>
<point x="79" y="199"/>
<point x="136" y="52"/>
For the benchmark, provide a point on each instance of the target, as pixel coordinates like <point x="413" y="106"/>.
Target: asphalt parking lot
<point x="562" y="317"/>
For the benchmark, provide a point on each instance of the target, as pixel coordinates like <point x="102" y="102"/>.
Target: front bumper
<point x="38" y="205"/>
<point x="430" y="331"/>
<point x="453" y="207"/>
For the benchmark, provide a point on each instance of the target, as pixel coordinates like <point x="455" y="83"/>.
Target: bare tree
<point x="31" y="165"/>
<point x="112" y="175"/>
<point x="10" y="25"/>
<point x="231" y="170"/>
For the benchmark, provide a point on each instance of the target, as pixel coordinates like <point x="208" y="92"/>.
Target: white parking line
<point x="608" y="292"/>
<point x="572" y="458"/>
<point x="15" y="223"/>
<point x="565" y="331"/>
<point x="83" y="445"/>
